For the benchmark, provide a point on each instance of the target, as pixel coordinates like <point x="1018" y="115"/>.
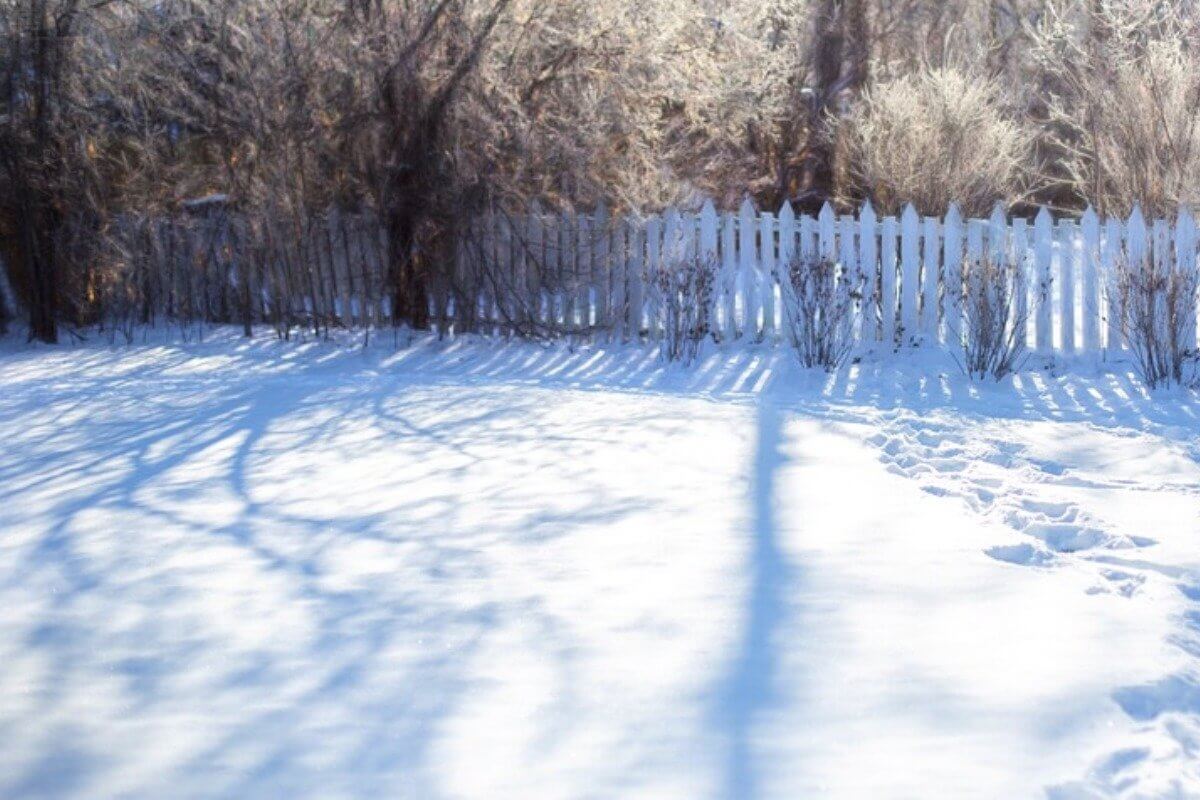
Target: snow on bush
<point x="820" y="307"/>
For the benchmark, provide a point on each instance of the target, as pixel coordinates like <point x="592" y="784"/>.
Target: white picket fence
<point x="590" y="274"/>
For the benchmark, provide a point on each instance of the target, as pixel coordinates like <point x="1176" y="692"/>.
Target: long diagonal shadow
<point x="748" y="688"/>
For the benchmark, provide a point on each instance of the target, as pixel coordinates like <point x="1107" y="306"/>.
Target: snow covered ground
<point x="499" y="570"/>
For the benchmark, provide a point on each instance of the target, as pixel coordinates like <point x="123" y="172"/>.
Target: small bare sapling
<point x="993" y="341"/>
<point x="820" y="302"/>
<point x="684" y="295"/>
<point x="1155" y="304"/>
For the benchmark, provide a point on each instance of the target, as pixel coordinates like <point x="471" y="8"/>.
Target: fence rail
<point x="592" y="274"/>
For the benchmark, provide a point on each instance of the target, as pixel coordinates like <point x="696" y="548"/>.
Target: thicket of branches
<point x="279" y="116"/>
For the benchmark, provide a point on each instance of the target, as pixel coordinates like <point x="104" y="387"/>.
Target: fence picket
<point x="1043" y="243"/>
<point x="808" y="238"/>
<point x="726" y="277"/>
<point x="847" y="226"/>
<point x="787" y="254"/>
<point x="952" y="250"/>
<point x="973" y="274"/>
<point x="887" y="266"/>
<point x="930" y="278"/>
<point x="1089" y="226"/>
<point x="605" y="234"/>
<point x="910" y="267"/>
<point x="1164" y="262"/>
<point x="581" y="295"/>
<point x="654" y="310"/>
<point x="748" y="268"/>
<point x="634" y="296"/>
<point x="827" y="234"/>
<point x="1110" y="256"/>
<point x="999" y="249"/>
<point x="868" y="255"/>
<point x="1067" y="256"/>
<point x="1185" y="256"/>
<point x="766" y="237"/>
<point x="1021" y="280"/>
<point x="553" y="239"/>
<point x="610" y="283"/>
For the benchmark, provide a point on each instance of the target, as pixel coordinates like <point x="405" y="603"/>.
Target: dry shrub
<point x="1156" y="309"/>
<point x="933" y="138"/>
<point x="684" y="296"/>
<point x="820" y="307"/>
<point x="993" y="341"/>
<point x="1122" y="87"/>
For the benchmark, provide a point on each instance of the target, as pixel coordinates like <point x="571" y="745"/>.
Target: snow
<point x="488" y="569"/>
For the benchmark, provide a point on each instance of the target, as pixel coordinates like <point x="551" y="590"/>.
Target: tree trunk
<point x="37" y="232"/>
<point x="407" y="272"/>
<point x="840" y="63"/>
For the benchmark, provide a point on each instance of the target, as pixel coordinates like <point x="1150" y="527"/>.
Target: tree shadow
<point x="121" y="445"/>
<point x="748" y="688"/>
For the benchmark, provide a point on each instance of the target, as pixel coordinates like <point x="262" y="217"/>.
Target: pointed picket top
<point x="1137" y="235"/>
<point x="826" y="217"/>
<point x="954" y="216"/>
<point x="672" y="222"/>
<point x="1043" y="220"/>
<point x="998" y="234"/>
<point x="786" y="212"/>
<point x="1185" y="225"/>
<point x="600" y="217"/>
<point x="910" y="216"/>
<point x="747" y="214"/>
<point x="867" y="215"/>
<point x="1090" y="218"/>
<point x="708" y="229"/>
<point x="1136" y="217"/>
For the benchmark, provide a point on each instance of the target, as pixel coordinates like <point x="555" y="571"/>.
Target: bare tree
<point x="53" y="114"/>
